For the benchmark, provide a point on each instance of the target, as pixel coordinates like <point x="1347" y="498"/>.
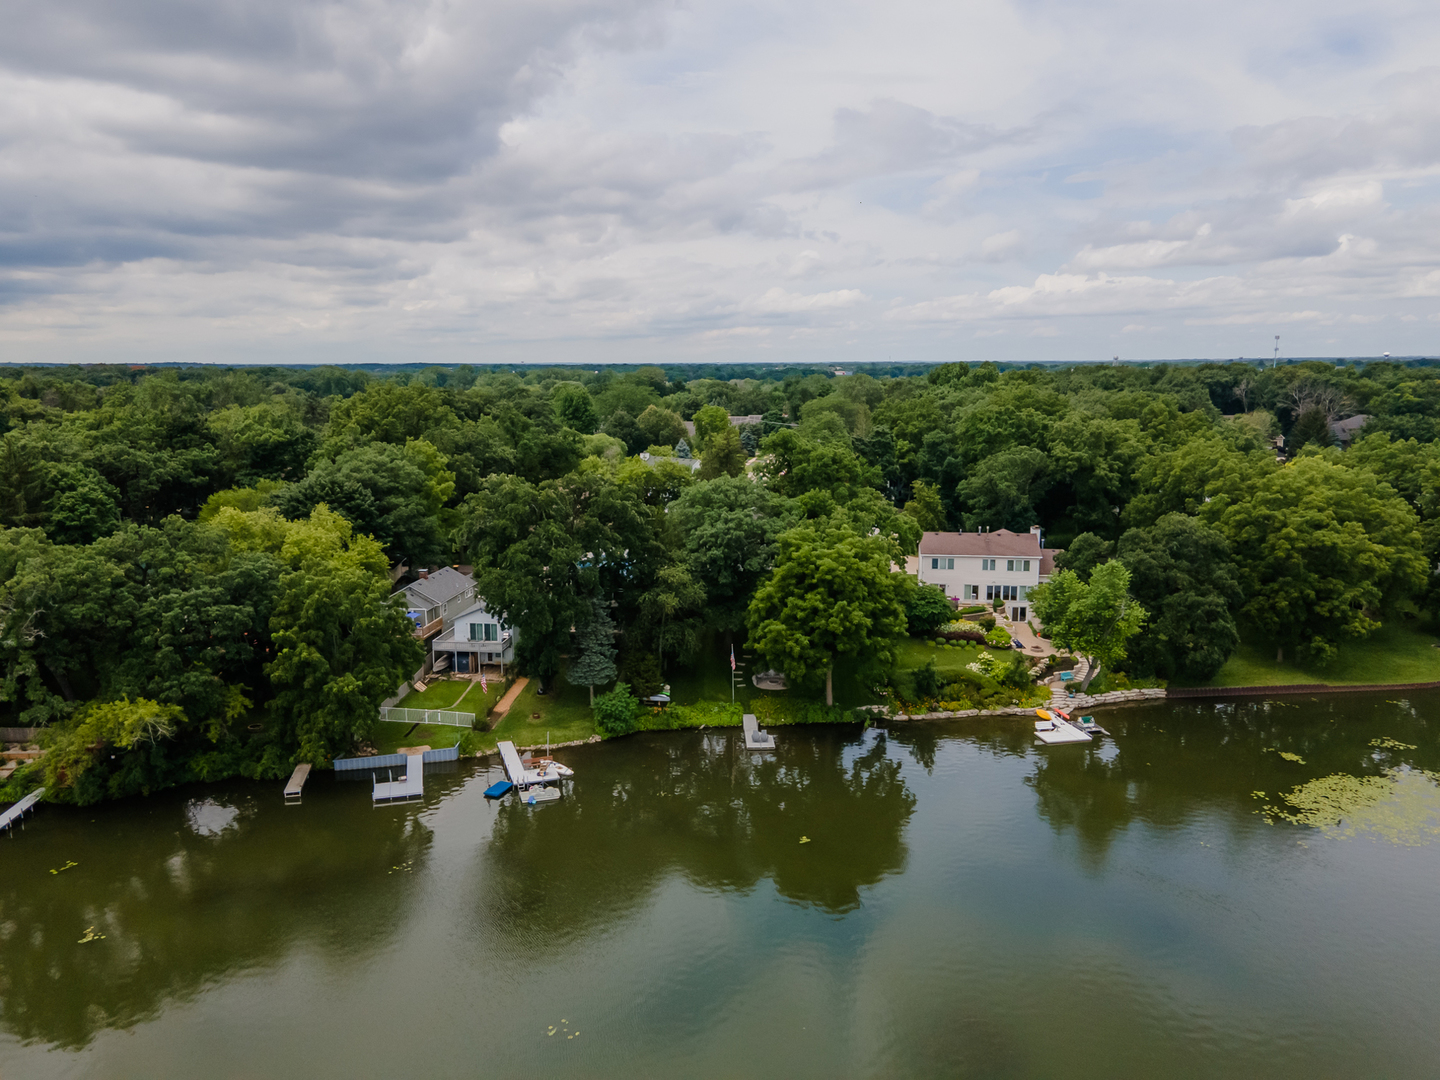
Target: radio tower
<point x="1276" y="362"/>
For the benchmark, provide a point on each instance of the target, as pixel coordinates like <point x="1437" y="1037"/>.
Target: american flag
<point x="484" y="686"/>
<point x="732" y="657"/>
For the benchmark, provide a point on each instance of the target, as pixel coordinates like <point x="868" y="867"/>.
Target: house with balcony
<point x="475" y="638"/>
<point x="436" y="597"/>
<point x="976" y="567"/>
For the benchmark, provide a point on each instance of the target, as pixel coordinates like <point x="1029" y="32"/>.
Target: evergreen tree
<point x="682" y="449"/>
<point x="595" y="664"/>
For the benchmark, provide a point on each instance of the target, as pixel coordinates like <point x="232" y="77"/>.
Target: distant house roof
<point x="735" y="421"/>
<point x="1344" y="430"/>
<point x="440" y="587"/>
<point x="981" y="544"/>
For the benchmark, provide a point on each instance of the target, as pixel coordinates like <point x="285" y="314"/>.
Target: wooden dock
<point x="16" y="812"/>
<point x="297" y="783"/>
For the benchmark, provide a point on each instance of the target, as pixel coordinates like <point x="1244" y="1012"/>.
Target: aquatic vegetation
<point x="1402" y="806"/>
<point x="1391" y="744"/>
<point x="1286" y="754"/>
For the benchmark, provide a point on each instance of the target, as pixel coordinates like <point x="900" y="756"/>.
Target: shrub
<point x="927" y="608"/>
<point x="616" y="712"/>
<point x="961" y="631"/>
<point x="927" y="681"/>
<point x="999" y="638"/>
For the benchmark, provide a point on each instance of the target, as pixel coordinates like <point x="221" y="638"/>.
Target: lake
<point x="927" y="899"/>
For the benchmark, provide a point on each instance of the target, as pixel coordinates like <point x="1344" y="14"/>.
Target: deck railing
<point x="429" y="716"/>
<point x="423" y="632"/>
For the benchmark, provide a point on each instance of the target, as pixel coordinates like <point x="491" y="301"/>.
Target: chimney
<point x="424" y="575"/>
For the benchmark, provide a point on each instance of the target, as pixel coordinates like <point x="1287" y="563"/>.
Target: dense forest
<point x="186" y="552"/>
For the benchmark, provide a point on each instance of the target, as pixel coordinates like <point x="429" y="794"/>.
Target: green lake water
<point x="968" y="904"/>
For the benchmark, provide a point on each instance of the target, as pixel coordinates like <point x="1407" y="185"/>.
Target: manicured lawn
<point x="390" y="737"/>
<point x="708" y="679"/>
<point x="949" y="659"/>
<point x="1393" y="654"/>
<point x="442" y="694"/>
<point x="564" y="712"/>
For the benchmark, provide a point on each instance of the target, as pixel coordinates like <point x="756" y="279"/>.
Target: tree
<point x="574" y="408"/>
<point x="671" y="612"/>
<point x="617" y="711"/>
<point x="395" y="494"/>
<point x="682" y="450"/>
<point x="595" y="645"/>
<point x="710" y="421"/>
<point x="1181" y="571"/>
<point x="832" y="594"/>
<point x="1311" y="427"/>
<point x="729" y="528"/>
<point x="342" y="643"/>
<point x="622" y="426"/>
<point x="661" y="427"/>
<point x="1322" y="552"/>
<point x="540" y="551"/>
<point x="724" y="456"/>
<point x="1085" y="552"/>
<point x="1092" y="619"/>
<point x="1002" y="491"/>
<point x="925" y="506"/>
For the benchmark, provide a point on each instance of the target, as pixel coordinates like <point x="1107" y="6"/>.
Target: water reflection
<point x="175" y="892"/>
<point x="1171" y="761"/>
<point x="701" y="805"/>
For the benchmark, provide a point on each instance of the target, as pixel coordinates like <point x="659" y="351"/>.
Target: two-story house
<point x="978" y="566"/>
<point x="436" y="597"/>
<point x="476" y="637"/>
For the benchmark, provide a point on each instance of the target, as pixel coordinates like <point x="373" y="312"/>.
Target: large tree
<point x="594" y="662"/>
<point x="542" y="551"/>
<point x="1094" y="619"/>
<point x="1322" y="551"/>
<point x="832" y="596"/>
<point x="728" y="528"/>
<point x="1181" y="571"/>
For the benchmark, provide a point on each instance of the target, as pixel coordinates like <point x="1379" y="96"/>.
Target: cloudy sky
<point x="633" y="180"/>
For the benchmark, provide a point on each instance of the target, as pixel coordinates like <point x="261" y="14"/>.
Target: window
<point x="942" y="564"/>
<point x="475" y="632"/>
<point x="989" y="592"/>
<point x="484" y="631"/>
<point x="1027" y="566"/>
<point x="1008" y="592"/>
<point x="1009" y="566"/>
<point x="987" y="564"/>
<point x="972" y="592"/>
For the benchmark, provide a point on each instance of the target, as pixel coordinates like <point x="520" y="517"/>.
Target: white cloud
<point x="582" y="179"/>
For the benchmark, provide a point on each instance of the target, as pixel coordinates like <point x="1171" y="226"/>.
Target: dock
<point x="756" y="737"/>
<point x="1059" y="731"/>
<point x="407" y="789"/>
<point x="297" y="783"/>
<point x="16" y="812"/>
<point x="549" y="771"/>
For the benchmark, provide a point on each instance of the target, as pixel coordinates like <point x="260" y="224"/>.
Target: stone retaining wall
<point x="1113" y="697"/>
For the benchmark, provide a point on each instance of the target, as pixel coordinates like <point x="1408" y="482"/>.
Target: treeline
<point x="192" y="553"/>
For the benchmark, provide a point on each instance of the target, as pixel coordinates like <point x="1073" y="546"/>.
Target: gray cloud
<point x="578" y="177"/>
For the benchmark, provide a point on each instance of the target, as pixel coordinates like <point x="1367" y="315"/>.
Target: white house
<point x="436" y="597"/>
<point x="978" y="566"/>
<point x="476" y="637"/>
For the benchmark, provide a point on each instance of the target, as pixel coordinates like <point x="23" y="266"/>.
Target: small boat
<point x="499" y="789"/>
<point x="535" y="796"/>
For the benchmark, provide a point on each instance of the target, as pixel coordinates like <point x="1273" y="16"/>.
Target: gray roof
<point x="999" y="542"/>
<point x="440" y="587"/>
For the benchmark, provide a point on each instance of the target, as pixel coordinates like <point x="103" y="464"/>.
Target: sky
<point x="582" y="181"/>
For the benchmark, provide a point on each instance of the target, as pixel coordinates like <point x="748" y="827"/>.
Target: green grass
<point x="949" y="659"/>
<point x="442" y="694"/>
<point x="564" y="712"/>
<point x="708" y="679"/>
<point x="390" y="737"/>
<point x="1393" y="654"/>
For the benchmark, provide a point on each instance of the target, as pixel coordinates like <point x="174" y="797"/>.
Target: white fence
<point x="429" y="716"/>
